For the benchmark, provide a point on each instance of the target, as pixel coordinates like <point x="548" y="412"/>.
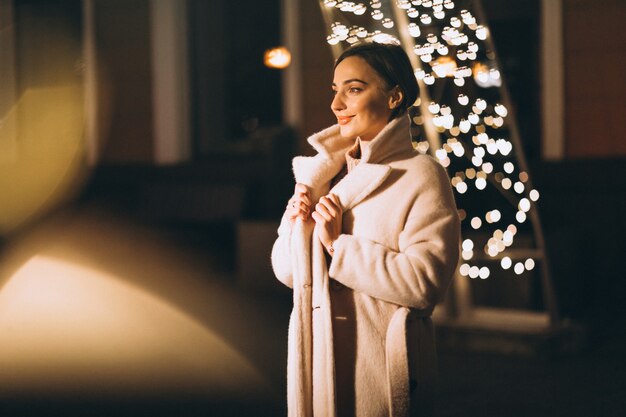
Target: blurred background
<point x="145" y="160"/>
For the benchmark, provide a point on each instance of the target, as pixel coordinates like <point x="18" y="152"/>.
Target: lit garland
<point x="471" y="123"/>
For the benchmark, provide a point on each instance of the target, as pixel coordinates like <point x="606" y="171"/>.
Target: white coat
<point x="393" y="262"/>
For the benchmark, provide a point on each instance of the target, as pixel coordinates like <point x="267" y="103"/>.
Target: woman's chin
<point x="346" y="132"/>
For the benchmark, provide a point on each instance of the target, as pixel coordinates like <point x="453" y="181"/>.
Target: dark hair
<point x="392" y="65"/>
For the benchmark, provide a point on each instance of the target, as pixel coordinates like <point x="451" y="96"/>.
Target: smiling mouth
<point x="342" y="120"/>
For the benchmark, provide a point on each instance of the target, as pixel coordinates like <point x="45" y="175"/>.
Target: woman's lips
<point x="342" y="120"/>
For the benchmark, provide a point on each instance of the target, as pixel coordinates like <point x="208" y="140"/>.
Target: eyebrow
<point x="352" y="80"/>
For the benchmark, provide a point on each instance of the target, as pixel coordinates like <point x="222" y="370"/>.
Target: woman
<point x="369" y="243"/>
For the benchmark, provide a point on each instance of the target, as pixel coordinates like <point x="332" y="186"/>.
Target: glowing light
<point x="455" y="22"/>
<point x="385" y="38"/>
<point x="461" y="187"/>
<point x="506" y="262"/>
<point x="524" y="205"/>
<point x="360" y="9"/>
<point x="468" y="244"/>
<point x="388" y="23"/>
<point x="481" y="32"/>
<point x="76" y="322"/>
<point x="504" y="146"/>
<point x="529" y="264"/>
<point x="414" y="30"/>
<point x="520" y="216"/>
<point x="347" y="6"/>
<point x="340" y="29"/>
<point x="507" y="238"/>
<point x="509" y="167"/>
<point x="481" y="104"/>
<point x="534" y="195"/>
<point x="403" y="4"/>
<point x="377" y="14"/>
<point x="519" y="268"/>
<point x="484" y="272"/>
<point x="429" y="79"/>
<point x="465" y="125"/>
<point x="474" y="272"/>
<point x="458" y="149"/>
<point x="467" y="254"/>
<point x="506" y="183"/>
<point x="425" y="19"/>
<point x="330" y="3"/>
<point x="501" y="110"/>
<point x="518" y="187"/>
<point x="485" y="77"/>
<point x="493" y="216"/>
<point x="277" y="57"/>
<point x="422" y="147"/>
<point x="481" y="183"/>
<point x="463" y="99"/>
<point x="444" y="66"/>
<point x="375" y="4"/>
<point x="488" y="167"/>
<point x="464" y="270"/>
<point x="523" y="176"/>
<point x="433" y="107"/>
<point x="476" y="223"/>
<point x="473" y="118"/>
<point x="419" y="74"/>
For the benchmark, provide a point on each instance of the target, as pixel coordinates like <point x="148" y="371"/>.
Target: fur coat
<point x="361" y="340"/>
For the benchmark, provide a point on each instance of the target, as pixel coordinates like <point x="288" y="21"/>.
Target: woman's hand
<point x="327" y="216"/>
<point x="299" y="205"/>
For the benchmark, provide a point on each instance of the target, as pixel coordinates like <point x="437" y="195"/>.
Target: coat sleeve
<point x="281" y="254"/>
<point x="419" y="272"/>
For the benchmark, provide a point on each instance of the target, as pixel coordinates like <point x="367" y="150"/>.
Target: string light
<point x="450" y="44"/>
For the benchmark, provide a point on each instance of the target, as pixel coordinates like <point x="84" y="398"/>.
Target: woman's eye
<point x="355" y="90"/>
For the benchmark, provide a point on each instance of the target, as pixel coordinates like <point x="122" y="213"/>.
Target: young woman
<point x="369" y="243"/>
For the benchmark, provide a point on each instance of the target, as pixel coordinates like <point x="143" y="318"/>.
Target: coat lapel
<point x="360" y="183"/>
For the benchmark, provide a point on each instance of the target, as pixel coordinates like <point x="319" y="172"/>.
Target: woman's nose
<point x="337" y="104"/>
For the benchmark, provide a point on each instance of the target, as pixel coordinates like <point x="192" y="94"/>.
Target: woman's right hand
<point x="299" y="205"/>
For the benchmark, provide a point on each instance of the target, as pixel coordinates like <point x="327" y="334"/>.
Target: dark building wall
<point x="125" y="77"/>
<point x="595" y="87"/>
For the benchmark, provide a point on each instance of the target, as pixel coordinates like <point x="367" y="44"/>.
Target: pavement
<point x="103" y="313"/>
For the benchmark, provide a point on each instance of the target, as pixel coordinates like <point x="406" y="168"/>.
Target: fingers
<point x="301" y="192"/>
<point x="299" y="205"/>
<point x="329" y="207"/>
<point x="300" y="210"/>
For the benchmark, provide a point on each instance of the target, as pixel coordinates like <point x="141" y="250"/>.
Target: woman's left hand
<point x="327" y="216"/>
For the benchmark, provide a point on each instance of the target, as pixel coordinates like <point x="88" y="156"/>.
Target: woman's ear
<point x="395" y="98"/>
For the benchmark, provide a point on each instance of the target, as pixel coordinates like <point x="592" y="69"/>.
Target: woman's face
<point x="362" y="102"/>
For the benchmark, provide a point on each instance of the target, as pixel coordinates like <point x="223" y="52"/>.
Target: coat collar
<point x="317" y="171"/>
